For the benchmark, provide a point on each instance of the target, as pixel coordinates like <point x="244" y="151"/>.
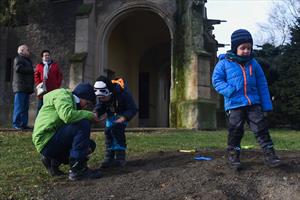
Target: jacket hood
<point x="221" y="56"/>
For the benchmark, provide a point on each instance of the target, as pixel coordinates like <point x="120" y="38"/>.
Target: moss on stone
<point x="78" y="57"/>
<point x="192" y="117"/>
<point x="181" y="59"/>
<point x="84" y="9"/>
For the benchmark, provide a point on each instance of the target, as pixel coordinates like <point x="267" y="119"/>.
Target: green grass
<point x="23" y="176"/>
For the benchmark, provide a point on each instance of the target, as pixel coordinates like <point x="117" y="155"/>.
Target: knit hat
<point x="85" y="91"/>
<point x="102" y="86"/>
<point x="239" y="37"/>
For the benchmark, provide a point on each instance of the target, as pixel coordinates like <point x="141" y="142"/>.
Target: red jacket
<point x="54" y="76"/>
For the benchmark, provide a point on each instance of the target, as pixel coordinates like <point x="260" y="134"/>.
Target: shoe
<point x="119" y="163"/>
<point x="233" y="157"/>
<point x="85" y="173"/>
<point x="271" y="158"/>
<point x="22" y="128"/>
<point x="27" y="127"/>
<point x="52" y="166"/>
<point x="120" y="158"/>
<point x="79" y="170"/>
<point x="107" y="164"/>
<point x="109" y="159"/>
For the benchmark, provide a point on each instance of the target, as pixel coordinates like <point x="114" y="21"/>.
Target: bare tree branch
<point x="283" y="15"/>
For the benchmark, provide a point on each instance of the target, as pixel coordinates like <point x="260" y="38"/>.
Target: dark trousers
<point x="115" y="139"/>
<point x="21" y="107"/>
<point x="254" y="116"/>
<point x="39" y="105"/>
<point x="70" y="141"/>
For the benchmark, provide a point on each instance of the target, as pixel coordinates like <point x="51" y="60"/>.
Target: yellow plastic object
<point x="248" y="147"/>
<point x="187" y="150"/>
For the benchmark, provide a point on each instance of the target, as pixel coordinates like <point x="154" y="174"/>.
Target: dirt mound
<point x="175" y="175"/>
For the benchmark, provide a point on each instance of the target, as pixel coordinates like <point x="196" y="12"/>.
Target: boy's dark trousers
<point x="254" y="116"/>
<point x="115" y="142"/>
<point x="70" y="141"/>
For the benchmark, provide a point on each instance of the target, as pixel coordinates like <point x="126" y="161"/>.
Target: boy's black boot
<point x="109" y="159"/>
<point x="79" y="170"/>
<point x="233" y="157"/>
<point x="271" y="159"/>
<point x="52" y="166"/>
<point x="120" y="158"/>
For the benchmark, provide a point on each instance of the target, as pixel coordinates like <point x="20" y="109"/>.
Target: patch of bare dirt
<point x="175" y="175"/>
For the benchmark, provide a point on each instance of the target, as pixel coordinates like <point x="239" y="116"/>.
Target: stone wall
<point x="51" y="27"/>
<point x="79" y="29"/>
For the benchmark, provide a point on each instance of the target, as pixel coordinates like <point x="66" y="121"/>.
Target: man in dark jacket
<point x="23" y="83"/>
<point x="115" y="102"/>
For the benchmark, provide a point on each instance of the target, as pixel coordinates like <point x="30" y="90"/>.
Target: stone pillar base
<point x="77" y="69"/>
<point x="198" y="114"/>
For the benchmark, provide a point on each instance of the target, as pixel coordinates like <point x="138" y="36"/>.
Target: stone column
<point x="82" y="69"/>
<point x="191" y="103"/>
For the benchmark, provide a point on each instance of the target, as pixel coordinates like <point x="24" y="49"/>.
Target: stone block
<point x="199" y="114"/>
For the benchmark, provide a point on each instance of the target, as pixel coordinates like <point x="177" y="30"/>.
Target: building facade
<point x="164" y="49"/>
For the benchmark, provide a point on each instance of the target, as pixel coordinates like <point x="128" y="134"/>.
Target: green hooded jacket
<point x="59" y="108"/>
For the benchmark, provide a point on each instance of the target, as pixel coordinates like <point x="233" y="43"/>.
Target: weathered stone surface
<point x="197" y="114"/>
<point x="53" y="28"/>
<point x="69" y="28"/>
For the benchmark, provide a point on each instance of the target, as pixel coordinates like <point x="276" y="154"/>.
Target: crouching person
<point x="62" y="131"/>
<point x="115" y="102"/>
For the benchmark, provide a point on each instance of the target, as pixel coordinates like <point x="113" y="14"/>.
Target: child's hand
<point x="121" y="119"/>
<point x="103" y="117"/>
<point x="95" y="118"/>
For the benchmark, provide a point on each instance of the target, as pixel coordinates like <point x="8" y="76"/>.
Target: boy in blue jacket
<point x="115" y="103"/>
<point x="240" y="79"/>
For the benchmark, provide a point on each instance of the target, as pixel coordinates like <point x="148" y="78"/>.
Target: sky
<point x="246" y="14"/>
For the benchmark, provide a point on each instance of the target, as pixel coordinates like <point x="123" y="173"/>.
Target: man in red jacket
<point x="47" y="74"/>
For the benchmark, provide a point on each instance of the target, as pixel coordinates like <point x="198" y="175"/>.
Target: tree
<point x="268" y="58"/>
<point x="282" y="68"/>
<point x="16" y="12"/>
<point x="287" y="88"/>
<point x="13" y="12"/>
<point x="282" y="17"/>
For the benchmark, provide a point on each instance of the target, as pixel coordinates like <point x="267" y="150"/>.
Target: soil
<point x="177" y="175"/>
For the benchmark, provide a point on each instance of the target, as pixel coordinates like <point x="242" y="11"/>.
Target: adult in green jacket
<point x="62" y="131"/>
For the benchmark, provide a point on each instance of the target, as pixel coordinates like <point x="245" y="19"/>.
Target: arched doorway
<point x="139" y="49"/>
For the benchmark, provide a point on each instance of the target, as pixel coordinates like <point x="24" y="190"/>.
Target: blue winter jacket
<point x="241" y="85"/>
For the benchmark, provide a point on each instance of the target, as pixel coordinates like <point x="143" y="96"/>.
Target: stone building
<point x="164" y="49"/>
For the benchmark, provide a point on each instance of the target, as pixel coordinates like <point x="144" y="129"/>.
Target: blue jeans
<point x="70" y="141"/>
<point x="21" y="107"/>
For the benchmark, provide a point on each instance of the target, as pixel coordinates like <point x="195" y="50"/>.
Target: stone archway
<point x="137" y="46"/>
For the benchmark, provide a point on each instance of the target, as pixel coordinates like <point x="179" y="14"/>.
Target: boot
<point x="52" y="166"/>
<point x="120" y="158"/>
<point x="233" y="157"/>
<point x="109" y="159"/>
<point x="271" y="158"/>
<point x="79" y="170"/>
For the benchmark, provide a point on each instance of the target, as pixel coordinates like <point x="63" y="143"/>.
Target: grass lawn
<point x="23" y="176"/>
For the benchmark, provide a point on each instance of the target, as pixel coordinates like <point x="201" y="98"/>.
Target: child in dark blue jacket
<point x="241" y="80"/>
<point x="116" y="104"/>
